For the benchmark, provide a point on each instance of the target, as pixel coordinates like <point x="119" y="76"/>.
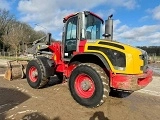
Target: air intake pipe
<point x="48" y="38"/>
<point x="109" y="28"/>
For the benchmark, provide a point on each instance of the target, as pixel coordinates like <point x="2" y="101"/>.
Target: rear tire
<point x="89" y="85"/>
<point x="35" y="74"/>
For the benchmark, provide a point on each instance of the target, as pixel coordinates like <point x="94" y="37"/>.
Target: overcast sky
<point x="136" y="22"/>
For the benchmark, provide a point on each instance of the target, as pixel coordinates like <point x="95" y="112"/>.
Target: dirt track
<point x="19" y="101"/>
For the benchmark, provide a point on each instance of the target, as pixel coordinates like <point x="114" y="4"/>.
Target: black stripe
<point x="110" y="53"/>
<point x="112" y="44"/>
<point x="94" y="48"/>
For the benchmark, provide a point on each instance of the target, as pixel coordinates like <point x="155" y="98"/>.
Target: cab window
<point x="71" y="36"/>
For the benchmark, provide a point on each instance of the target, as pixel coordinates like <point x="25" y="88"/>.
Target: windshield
<point x="92" y="27"/>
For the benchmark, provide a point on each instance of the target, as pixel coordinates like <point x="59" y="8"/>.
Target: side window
<point x="71" y="29"/>
<point x="71" y="35"/>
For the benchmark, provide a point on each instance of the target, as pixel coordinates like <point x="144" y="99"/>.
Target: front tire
<point x="89" y="85"/>
<point x="35" y="74"/>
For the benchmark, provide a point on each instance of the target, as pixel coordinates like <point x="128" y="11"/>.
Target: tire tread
<point x="44" y="80"/>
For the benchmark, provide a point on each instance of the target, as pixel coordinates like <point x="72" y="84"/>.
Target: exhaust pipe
<point x="109" y="28"/>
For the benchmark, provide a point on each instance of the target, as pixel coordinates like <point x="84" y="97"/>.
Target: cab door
<point x="71" y="37"/>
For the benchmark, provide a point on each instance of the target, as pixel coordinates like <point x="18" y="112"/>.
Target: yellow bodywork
<point x="132" y="54"/>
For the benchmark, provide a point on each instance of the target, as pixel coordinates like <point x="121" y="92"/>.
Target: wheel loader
<point x="91" y="62"/>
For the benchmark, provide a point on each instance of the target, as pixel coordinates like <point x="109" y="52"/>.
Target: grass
<point x="14" y="58"/>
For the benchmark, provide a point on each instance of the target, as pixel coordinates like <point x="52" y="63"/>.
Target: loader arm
<point x="40" y="46"/>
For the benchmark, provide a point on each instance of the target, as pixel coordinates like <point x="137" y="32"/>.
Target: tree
<point x="151" y="50"/>
<point x="14" y="35"/>
<point x="5" y="19"/>
<point x="19" y="34"/>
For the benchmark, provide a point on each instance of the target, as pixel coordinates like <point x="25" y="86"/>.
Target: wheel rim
<point x="84" y="86"/>
<point x="33" y="74"/>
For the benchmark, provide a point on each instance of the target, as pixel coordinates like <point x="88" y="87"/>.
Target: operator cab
<point x="80" y="26"/>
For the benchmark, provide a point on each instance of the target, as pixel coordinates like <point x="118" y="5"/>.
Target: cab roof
<point x="74" y="14"/>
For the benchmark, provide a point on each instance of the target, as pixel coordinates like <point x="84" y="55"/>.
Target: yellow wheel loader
<point x="90" y="64"/>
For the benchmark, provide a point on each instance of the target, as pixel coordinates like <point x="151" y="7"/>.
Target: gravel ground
<point x="18" y="101"/>
<point x="156" y="68"/>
